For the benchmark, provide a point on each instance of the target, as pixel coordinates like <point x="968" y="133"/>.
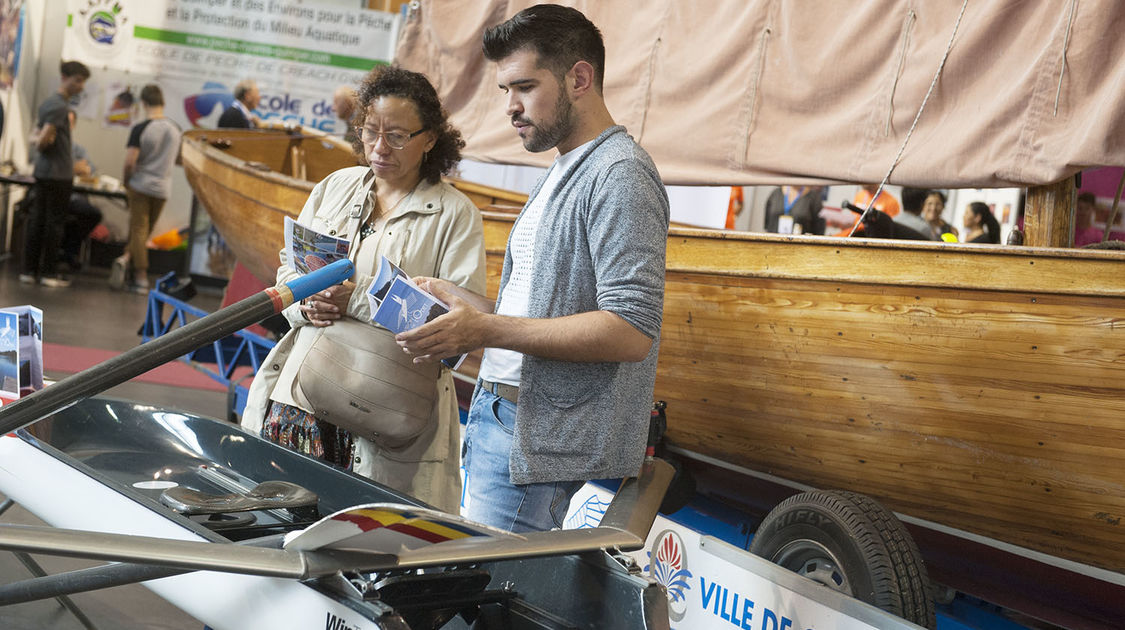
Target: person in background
<point x="565" y="387"/>
<point x="81" y="215"/>
<point x="980" y="224"/>
<point x="734" y="206"/>
<point x="885" y="203"/>
<point x="240" y="114"/>
<point x="932" y="210"/>
<point x="1085" y="232"/>
<point x="343" y="102"/>
<point x="152" y="149"/>
<point x="421" y="224"/>
<point x="795" y="210"/>
<point x="54" y="180"/>
<point x="913" y="200"/>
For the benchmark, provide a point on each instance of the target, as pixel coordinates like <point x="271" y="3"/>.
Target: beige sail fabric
<point x="806" y="91"/>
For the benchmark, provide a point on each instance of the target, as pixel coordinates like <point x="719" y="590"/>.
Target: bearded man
<point x="571" y="342"/>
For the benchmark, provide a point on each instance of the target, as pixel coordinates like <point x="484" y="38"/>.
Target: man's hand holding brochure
<point x="398" y="304"/>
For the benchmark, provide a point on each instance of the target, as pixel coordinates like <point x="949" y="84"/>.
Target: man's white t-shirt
<point x="499" y="365"/>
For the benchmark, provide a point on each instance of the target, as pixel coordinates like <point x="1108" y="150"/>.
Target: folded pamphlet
<point x="9" y="355"/>
<point x="403" y="305"/>
<point x="21" y="351"/>
<point x="309" y="250"/>
<point x="385" y="275"/>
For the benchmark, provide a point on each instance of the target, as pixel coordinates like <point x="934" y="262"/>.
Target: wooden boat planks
<point x="953" y="383"/>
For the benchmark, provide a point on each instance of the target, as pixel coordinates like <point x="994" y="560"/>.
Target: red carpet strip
<point x="72" y="359"/>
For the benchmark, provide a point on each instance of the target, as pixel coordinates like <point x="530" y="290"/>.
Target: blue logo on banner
<point x="204" y="104"/>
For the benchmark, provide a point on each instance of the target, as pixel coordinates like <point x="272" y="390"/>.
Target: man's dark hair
<point x="72" y="68"/>
<point x="416" y="88"/>
<point x="1088" y="197"/>
<point x="561" y="36"/>
<point x="151" y="95"/>
<point x="913" y="199"/>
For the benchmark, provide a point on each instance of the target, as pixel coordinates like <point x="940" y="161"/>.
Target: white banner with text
<point x="197" y="50"/>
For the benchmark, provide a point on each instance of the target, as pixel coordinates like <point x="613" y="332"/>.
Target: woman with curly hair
<point x="421" y="224"/>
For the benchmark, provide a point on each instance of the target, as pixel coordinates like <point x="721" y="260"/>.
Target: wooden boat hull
<point x="978" y="388"/>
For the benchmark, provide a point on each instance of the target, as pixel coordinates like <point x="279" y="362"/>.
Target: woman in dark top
<point x="980" y="225"/>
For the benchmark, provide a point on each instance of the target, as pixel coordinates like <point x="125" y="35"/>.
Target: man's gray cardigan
<point x="600" y="246"/>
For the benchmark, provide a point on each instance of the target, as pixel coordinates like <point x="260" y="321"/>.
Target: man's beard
<point x="548" y="135"/>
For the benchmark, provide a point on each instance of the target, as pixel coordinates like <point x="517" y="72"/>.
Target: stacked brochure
<point x="309" y="250"/>
<point x="399" y="305"/>
<point x="9" y="355"/>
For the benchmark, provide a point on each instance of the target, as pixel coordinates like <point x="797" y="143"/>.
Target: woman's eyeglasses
<point x="394" y="139"/>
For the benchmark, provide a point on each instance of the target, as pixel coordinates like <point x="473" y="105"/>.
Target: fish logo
<point x="203" y="109"/>
<point x="668" y="566"/>
<point x="101" y="27"/>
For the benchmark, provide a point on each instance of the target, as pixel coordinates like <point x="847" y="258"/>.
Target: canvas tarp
<point x="790" y="91"/>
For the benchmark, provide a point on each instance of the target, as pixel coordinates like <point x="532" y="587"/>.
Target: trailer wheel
<point x="852" y="544"/>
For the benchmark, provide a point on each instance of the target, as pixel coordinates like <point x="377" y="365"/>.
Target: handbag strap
<point x="355" y="218"/>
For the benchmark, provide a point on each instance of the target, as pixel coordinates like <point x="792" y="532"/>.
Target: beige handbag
<point x="356" y="377"/>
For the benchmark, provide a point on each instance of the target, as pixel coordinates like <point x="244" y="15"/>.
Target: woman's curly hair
<point x="416" y="88"/>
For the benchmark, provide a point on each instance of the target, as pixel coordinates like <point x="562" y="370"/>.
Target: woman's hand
<point x="326" y="306"/>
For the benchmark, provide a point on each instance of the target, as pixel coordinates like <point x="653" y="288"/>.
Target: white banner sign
<point x="197" y="50"/>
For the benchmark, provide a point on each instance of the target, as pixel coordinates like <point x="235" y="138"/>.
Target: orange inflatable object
<point x="168" y="240"/>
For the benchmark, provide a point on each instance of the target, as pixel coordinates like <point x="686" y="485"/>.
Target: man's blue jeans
<point x="493" y="498"/>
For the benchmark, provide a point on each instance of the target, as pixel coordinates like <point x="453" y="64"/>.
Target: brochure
<point x="405" y="306"/>
<point x="21" y="350"/>
<point x="385" y="274"/>
<point x="309" y="250"/>
<point x="9" y="355"/>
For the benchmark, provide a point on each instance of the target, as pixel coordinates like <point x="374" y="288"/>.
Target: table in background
<point x="7" y="215"/>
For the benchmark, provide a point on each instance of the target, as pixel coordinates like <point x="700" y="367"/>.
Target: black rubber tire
<point x="850" y="543"/>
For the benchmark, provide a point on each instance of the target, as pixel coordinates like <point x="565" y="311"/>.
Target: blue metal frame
<point x="243" y="348"/>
